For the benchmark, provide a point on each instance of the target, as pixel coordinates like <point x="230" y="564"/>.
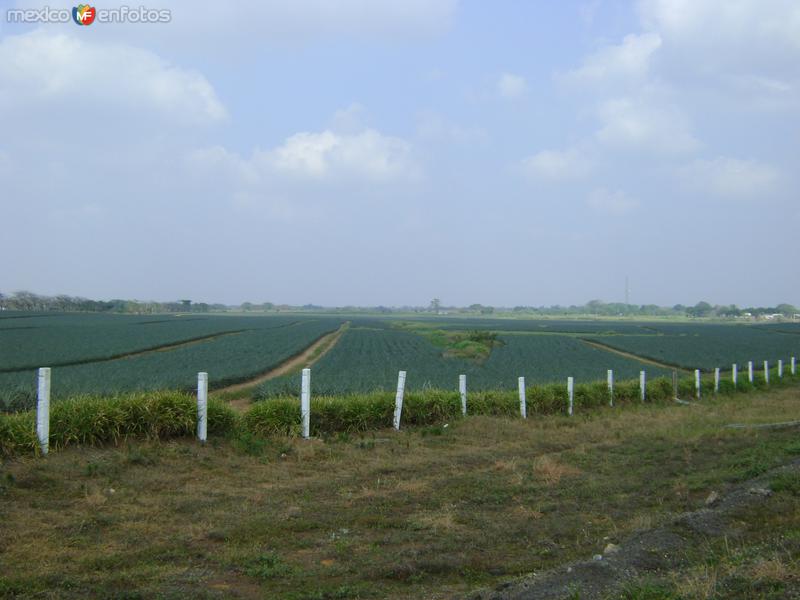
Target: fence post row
<point x="44" y="374"/>
<point x="202" y="406"/>
<point x="571" y="394"/>
<point x="462" y="389"/>
<point x="305" y="402"/>
<point x="643" y="385"/>
<point x="697" y="382"/>
<point x="398" y="398"/>
<point x="43" y="410"/>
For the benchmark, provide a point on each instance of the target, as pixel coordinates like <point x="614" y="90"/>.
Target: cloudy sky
<point x="373" y="152"/>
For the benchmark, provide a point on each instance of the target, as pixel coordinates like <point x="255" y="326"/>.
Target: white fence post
<point x="523" y="407"/>
<point x="305" y="402"/>
<point x="571" y="394"/>
<point x="643" y="385"/>
<point x="792" y="366"/>
<point x="734" y="374"/>
<point x="780" y="368"/>
<point x="610" y="380"/>
<point x="202" y="406"/>
<point x="697" y="382"/>
<point x="766" y="372"/>
<point x="462" y="389"/>
<point x="43" y="410"/>
<point x="398" y="398"/>
<point x="750" y="371"/>
<point x="716" y="380"/>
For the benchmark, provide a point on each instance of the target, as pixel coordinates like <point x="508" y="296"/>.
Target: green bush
<point x="18" y="433"/>
<point x="89" y="420"/>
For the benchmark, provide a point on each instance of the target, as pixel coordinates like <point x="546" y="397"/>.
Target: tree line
<point x="29" y="301"/>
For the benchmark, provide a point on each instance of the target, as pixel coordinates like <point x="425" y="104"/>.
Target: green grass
<point x="427" y="512"/>
<point x="95" y="420"/>
<point x="228" y="359"/>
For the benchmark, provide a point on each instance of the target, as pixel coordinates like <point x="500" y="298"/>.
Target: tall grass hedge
<point x="92" y="420"/>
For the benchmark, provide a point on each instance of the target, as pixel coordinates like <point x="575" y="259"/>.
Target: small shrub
<point x="267" y="566"/>
<point x="788" y="482"/>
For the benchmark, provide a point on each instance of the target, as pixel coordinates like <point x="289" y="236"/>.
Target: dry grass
<point x="551" y="471"/>
<point x="700" y="583"/>
<point x="405" y="515"/>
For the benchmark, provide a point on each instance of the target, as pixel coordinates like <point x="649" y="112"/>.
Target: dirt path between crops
<point x="646" y="553"/>
<point x="636" y="357"/>
<point x="306" y="358"/>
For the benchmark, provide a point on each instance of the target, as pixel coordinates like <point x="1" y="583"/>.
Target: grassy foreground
<point x="92" y="420"/>
<point x="429" y="512"/>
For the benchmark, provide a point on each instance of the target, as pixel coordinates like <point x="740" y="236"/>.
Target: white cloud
<point x="642" y="124"/>
<point x="745" y="52"/>
<point x="50" y="69"/>
<point x="629" y="60"/>
<point x="511" y="86"/>
<point x="367" y="154"/>
<point x="557" y="165"/>
<point x="751" y="25"/>
<point x="730" y="178"/>
<point x="317" y="156"/>
<point x="613" y="202"/>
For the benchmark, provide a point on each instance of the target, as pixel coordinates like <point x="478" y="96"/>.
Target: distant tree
<point x="595" y="307"/>
<point x="435" y="305"/>
<point x="786" y="309"/>
<point x="701" y="309"/>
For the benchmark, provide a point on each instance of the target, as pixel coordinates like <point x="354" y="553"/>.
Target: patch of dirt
<point x="645" y="552"/>
<point x="636" y="357"/>
<point x="305" y="359"/>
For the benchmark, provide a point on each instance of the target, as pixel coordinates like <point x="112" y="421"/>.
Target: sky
<point x="367" y="152"/>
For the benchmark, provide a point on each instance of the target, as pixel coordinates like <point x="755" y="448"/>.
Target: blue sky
<point x="363" y="152"/>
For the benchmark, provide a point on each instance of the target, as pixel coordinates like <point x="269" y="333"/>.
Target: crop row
<point x="366" y="360"/>
<point x="30" y="342"/>
<point x="227" y="359"/>
<point x="709" y="347"/>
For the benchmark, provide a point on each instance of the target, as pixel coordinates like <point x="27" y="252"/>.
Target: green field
<point x="711" y="345"/>
<point x="104" y="354"/>
<point x="368" y="359"/>
<point x="246" y="347"/>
